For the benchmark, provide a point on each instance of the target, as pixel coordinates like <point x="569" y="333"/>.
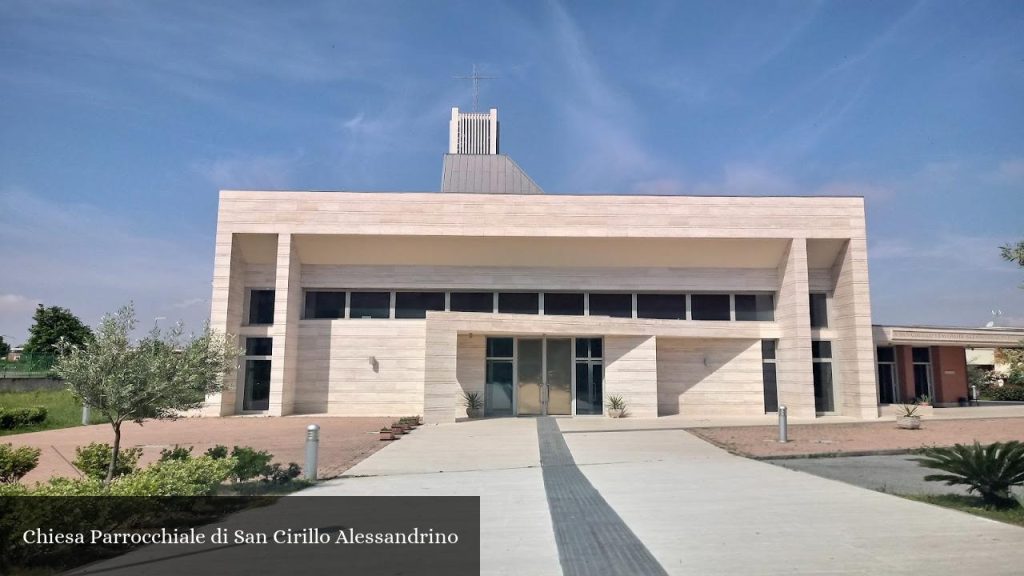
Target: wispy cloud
<point x="252" y="171"/>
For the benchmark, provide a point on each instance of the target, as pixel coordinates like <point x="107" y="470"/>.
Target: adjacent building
<point x="397" y="303"/>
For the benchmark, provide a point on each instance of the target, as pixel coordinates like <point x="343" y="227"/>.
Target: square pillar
<point x="854" y="366"/>
<point x="905" y="373"/>
<point x="631" y="371"/>
<point x="442" y="402"/>
<point x="285" y="330"/>
<point x="226" y="305"/>
<point x="793" y="315"/>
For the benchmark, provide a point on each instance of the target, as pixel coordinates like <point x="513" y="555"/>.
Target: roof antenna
<point x="476" y="78"/>
<point x="995" y="318"/>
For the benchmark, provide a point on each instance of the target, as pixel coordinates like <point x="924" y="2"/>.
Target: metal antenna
<point x="476" y="78"/>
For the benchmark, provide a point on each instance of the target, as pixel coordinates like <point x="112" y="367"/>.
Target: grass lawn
<point x="973" y="505"/>
<point x="62" y="411"/>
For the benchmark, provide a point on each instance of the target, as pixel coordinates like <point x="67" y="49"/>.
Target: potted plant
<point x="473" y="403"/>
<point x="925" y="400"/>
<point x="397" y="429"/>
<point x="410" y="421"/>
<point x="386" y="434"/>
<point x="616" y="406"/>
<point x="907" y="417"/>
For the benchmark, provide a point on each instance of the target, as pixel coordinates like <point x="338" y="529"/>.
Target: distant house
<point x="14" y="354"/>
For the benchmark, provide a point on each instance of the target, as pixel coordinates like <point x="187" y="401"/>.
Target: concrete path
<point x="663" y="493"/>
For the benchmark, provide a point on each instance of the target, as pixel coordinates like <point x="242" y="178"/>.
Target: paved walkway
<point x="621" y="497"/>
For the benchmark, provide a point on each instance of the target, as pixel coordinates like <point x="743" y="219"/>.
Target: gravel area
<point x="343" y="441"/>
<point x="859" y="438"/>
<point x="892" y="474"/>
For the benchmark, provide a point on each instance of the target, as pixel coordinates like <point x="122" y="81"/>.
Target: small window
<point x="886" y="354"/>
<point x="472" y="302"/>
<point x="259" y="346"/>
<point x="416" y="304"/>
<point x="921" y="355"/>
<point x="589" y="348"/>
<point x="563" y="304"/>
<point x="709" y="306"/>
<point x="819" y="310"/>
<point x="518" y="302"/>
<point x="755" y="307"/>
<point x="769" y="377"/>
<point x="614" y="305"/>
<point x="324" y="305"/>
<point x="370" y="305"/>
<point x="665" y="306"/>
<point x="768" y="349"/>
<point x="821" y="349"/>
<point x="261" y="307"/>
<point x="499" y="347"/>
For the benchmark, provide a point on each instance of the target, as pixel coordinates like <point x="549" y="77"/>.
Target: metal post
<point x="85" y="414"/>
<point x="974" y="394"/>
<point x="783" y="425"/>
<point x="312" y="446"/>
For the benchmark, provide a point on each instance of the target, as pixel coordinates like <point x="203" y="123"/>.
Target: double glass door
<point x="544" y="368"/>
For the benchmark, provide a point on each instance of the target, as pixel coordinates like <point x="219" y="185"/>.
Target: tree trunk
<point x="113" y="454"/>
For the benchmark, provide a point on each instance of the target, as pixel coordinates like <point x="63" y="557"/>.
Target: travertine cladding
<point x="853" y="349"/>
<point x="631" y="371"/>
<point x="709" y="377"/>
<point x="471" y="364"/>
<point x="337" y="376"/>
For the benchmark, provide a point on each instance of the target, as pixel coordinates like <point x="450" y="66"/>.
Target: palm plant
<point x="988" y="470"/>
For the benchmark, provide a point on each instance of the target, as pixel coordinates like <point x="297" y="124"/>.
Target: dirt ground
<point x="762" y="441"/>
<point x="343" y="441"/>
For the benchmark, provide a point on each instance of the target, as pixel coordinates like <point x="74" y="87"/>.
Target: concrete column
<point x="441" y="398"/>
<point x="853" y="348"/>
<point x="793" y="315"/>
<point x="631" y="371"/>
<point x="905" y="372"/>
<point x="285" y="330"/>
<point x="226" y="306"/>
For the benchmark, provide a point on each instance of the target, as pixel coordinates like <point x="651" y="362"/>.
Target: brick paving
<point x="809" y="439"/>
<point x="343" y="441"/>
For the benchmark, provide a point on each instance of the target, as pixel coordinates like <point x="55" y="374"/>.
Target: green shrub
<point x="94" y="460"/>
<point x="988" y="470"/>
<point x="1007" y="393"/>
<point x="218" y="451"/>
<point x="250" y="463"/>
<point x="176" y="453"/>
<point x="191" y="477"/>
<point x="280" y="475"/>
<point x="11" y="418"/>
<point x="16" y="462"/>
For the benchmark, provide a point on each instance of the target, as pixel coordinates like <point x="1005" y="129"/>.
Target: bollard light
<point x="783" y="425"/>
<point x="312" y="446"/>
<point x="85" y="414"/>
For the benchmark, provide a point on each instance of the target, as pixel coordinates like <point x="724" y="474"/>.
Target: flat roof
<point x="546" y="193"/>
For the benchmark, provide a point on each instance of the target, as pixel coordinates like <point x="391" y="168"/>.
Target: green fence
<point x="28" y="365"/>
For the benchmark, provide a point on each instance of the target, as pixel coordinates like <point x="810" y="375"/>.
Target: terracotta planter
<point x="387" y="435"/>
<point x="908" y="422"/>
<point x="615" y="412"/>
<point x="397" y="430"/>
<point x="474" y="412"/>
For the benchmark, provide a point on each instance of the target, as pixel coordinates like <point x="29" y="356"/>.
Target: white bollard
<point x="783" y="425"/>
<point x="312" y="447"/>
<point x="85" y="414"/>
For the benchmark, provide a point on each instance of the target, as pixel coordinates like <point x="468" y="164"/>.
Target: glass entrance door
<point x="544" y="376"/>
<point x="530" y="384"/>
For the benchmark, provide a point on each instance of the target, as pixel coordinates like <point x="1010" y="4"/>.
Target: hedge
<point x="11" y="418"/>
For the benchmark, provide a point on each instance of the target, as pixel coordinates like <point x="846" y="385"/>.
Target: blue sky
<point x="121" y="120"/>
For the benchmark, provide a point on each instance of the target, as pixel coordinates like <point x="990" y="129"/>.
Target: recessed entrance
<point x="531" y="376"/>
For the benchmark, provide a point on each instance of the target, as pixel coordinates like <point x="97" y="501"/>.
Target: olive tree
<point x="155" y="377"/>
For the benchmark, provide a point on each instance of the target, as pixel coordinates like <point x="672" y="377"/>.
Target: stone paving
<point x="343" y="441"/>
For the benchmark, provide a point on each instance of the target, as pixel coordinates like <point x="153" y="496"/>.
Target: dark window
<point x="518" y="302"/>
<point x="756" y="307"/>
<point x="819" y="310"/>
<point x="921" y="355"/>
<point x="370" y="305"/>
<point x="709" y="307"/>
<point x="589" y="381"/>
<point x="886" y="383"/>
<point x="614" y="305"/>
<point x="768" y="376"/>
<point x="563" y="304"/>
<point x="472" y="302"/>
<point x="499" y="347"/>
<point x="823" y="395"/>
<point x="886" y="354"/>
<point x="416" y="304"/>
<point x="321" y="305"/>
<point x="768" y="349"/>
<point x="259" y="346"/>
<point x="588" y="348"/>
<point x="667" y="306"/>
<point x="261" y="307"/>
<point x="821" y="349"/>
<point x="257" y="385"/>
